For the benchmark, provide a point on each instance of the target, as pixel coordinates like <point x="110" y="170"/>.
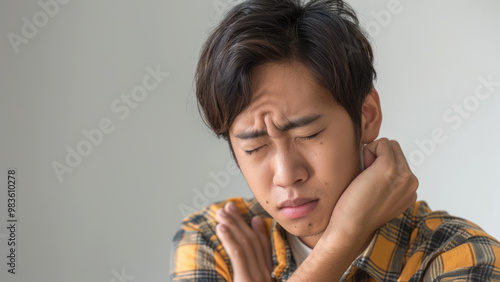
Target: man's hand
<point x="385" y="189"/>
<point x="249" y="249"/>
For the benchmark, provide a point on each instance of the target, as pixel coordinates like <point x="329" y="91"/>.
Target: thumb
<point x="368" y="157"/>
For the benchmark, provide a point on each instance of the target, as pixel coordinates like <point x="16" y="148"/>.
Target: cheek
<point x="334" y="165"/>
<point x="258" y="178"/>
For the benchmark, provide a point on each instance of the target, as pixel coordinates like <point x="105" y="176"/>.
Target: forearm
<point x="331" y="257"/>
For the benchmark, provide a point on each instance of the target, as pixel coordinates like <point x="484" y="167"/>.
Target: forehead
<point x="283" y="80"/>
<point x="283" y="91"/>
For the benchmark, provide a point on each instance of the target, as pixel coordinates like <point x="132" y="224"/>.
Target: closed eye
<point x="311" y="136"/>
<point x="253" y="151"/>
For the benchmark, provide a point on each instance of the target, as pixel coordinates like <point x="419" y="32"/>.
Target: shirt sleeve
<point x="476" y="259"/>
<point x="458" y="250"/>
<point x="196" y="258"/>
<point x="197" y="253"/>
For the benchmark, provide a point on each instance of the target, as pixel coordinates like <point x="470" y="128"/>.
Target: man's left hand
<point x="249" y="248"/>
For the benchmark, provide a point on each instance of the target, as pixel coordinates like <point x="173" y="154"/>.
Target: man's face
<point x="295" y="147"/>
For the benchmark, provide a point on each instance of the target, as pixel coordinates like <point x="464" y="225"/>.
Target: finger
<point x="400" y="158"/>
<point x="368" y="158"/>
<point x="403" y="166"/>
<point x="229" y="214"/>
<point x="260" y="228"/>
<point x="379" y="150"/>
<point x="235" y="252"/>
<point x="263" y="256"/>
<point x="255" y="241"/>
<point x="409" y="196"/>
<point x="242" y="234"/>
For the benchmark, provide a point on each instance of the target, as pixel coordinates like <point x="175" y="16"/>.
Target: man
<point x="289" y="85"/>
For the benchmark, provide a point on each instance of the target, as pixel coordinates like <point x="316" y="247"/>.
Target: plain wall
<point x="116" y="210"/>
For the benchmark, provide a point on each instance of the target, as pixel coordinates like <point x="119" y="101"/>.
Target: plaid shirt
<point x="417" y="245"/>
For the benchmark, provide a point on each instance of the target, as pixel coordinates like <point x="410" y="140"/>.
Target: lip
<point x="297" y="208"/>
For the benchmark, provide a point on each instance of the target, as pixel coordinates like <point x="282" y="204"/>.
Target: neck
<point x="311" y="240"/>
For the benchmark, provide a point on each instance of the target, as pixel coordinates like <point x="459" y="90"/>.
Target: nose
<point x="290" y="168"/>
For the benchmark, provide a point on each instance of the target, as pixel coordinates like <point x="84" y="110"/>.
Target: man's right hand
<point x="384" y="190"/>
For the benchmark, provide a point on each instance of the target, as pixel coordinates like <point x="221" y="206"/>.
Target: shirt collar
<point x="283" y="263"/>
<point x="377" y="254"/>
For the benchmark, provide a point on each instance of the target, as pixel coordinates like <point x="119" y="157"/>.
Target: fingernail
<point x="222" y="228"/>
<point x="222" y="212"/>
<point x="257" y="220"/>
<point x="232" y="207"/>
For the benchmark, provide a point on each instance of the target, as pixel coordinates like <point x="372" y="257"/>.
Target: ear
<point x="371" y="117"/>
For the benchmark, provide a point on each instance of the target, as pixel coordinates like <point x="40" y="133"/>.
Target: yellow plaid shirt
<point x="418" y="245"/>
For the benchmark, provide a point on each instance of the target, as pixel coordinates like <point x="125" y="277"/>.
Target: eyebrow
<point x="300" y="122"/>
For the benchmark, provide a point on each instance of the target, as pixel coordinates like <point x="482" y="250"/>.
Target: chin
<point x="303" y="229"/>
<point x="307" y="233"/>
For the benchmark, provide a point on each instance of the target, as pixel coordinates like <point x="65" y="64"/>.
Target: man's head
<point x="290" y="87"/>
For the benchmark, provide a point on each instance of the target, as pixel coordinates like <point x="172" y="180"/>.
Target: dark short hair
<point x="324" y="35"/>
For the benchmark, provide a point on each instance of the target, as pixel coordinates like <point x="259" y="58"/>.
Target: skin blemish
<point x="321" y="143"/>
<point x="309" y="224"/>
<point x="267" y="202"/>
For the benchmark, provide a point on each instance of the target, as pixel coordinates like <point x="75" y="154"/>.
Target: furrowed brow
<point x="300" y="122"/>
<point x="251" y="134"/>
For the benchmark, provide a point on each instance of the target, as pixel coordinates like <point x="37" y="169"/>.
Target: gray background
<point x="117" y="211"/>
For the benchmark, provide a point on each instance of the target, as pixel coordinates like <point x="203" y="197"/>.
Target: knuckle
<point x="237" y="252"/>
<point x="394" y="143"/>
<point x="384" y="140"/>
<point x="405" y="174"/>
<point x="245" y="241"/>
<point x="415" y="183"/>
<point x="391" y="173"/>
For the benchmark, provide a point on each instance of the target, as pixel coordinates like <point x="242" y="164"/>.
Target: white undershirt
<point x="300" y="251"/>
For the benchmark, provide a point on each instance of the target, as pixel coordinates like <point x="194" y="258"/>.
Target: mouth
<point x="298" y="208"/>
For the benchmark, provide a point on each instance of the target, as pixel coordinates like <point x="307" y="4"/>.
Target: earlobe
<point x="371" y="117"/>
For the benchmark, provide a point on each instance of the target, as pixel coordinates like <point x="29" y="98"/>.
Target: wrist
<point x="348" y="240"/>
<point x="337" y="248"/>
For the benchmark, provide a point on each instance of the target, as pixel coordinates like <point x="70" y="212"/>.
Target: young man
<point x="289" y="85"/>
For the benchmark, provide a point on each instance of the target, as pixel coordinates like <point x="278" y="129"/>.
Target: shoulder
<point x="447" y="246"/>
<point x="204" y="220"/>
<point x="197" y="252"/>
<point x="440" y="230"/>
